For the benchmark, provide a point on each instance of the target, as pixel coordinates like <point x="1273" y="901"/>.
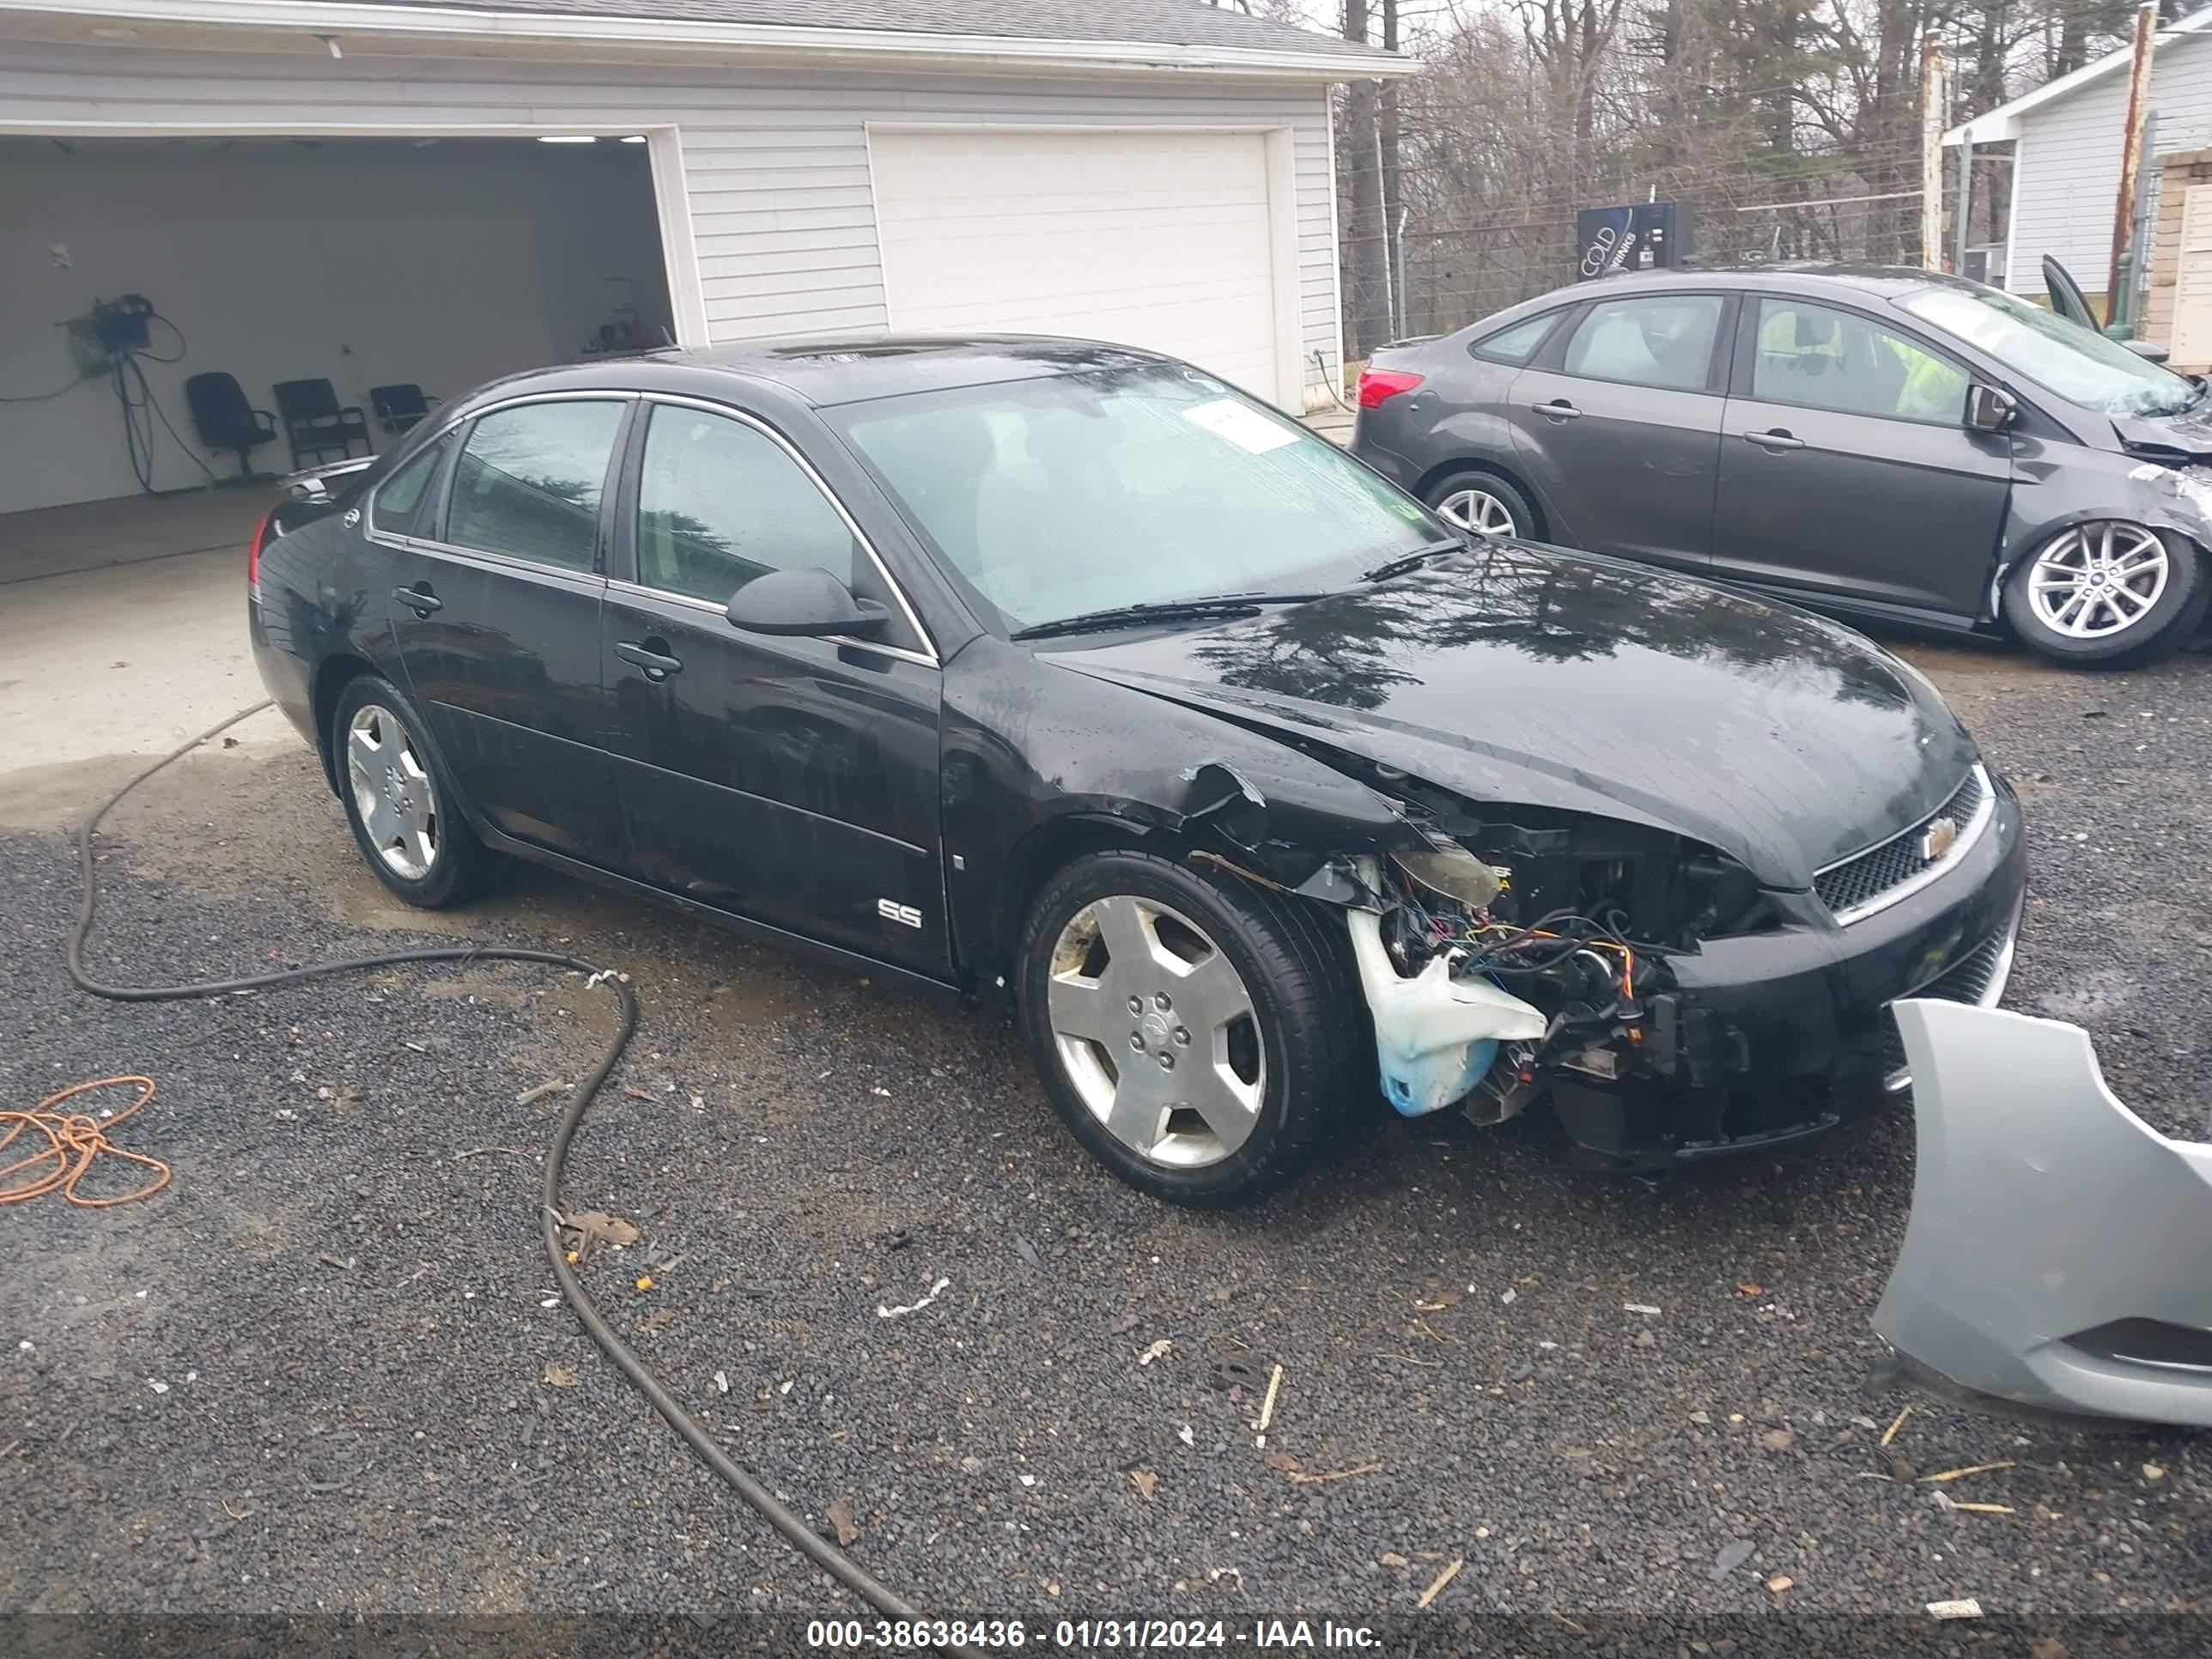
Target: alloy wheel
<point x="1157" y="1031"/>
<point x="1478" y="510"/>
<point x="2098" y="580"/>
<point x="392" y="792"/>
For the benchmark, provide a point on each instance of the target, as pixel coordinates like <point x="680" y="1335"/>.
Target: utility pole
<point x="2123" y="209"/>
<point x="1931" y="150"/>
<point x="1367" y="229"/>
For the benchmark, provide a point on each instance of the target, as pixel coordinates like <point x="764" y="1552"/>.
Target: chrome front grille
<point x="1866" y="882"/>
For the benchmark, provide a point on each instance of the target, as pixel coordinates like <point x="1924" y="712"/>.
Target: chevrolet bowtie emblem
<point x="1937" y="839"/>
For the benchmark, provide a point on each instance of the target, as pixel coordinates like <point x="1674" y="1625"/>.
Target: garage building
<point x="337" y="199"/>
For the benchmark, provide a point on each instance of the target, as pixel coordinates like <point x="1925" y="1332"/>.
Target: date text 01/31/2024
<point x="919" y="1634"/>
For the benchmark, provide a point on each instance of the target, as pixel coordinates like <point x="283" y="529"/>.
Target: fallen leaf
<point x="562" y="1377"/>
<point x="1145" y="1481"/>
<point x="1441" y="1580"/>
<point x="1159" y="1350"/>
<point x="1781" y="1582"/>
<point x="1777" y="1439"/>
<point x="1392" y="1559"/>
<point x="1749" y="1289"/>
<point x="1281" y="1461"/>
<point x="2153" y="1471"/>
<point x="840" y="1514"/>
<point x="593" y="1228"/>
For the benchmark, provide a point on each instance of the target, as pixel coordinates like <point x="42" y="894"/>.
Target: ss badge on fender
<point x="892" y="910"/>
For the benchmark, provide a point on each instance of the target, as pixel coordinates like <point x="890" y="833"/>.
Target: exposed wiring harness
<point x="820" y="1550"/>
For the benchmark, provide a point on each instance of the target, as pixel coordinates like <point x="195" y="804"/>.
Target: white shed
<point x="380" y="193"/>
<point x="2066" y="138"/>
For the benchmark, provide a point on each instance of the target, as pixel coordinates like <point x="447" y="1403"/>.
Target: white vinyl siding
<point x="774" y="162"/>
<point x="2068" y="173"/>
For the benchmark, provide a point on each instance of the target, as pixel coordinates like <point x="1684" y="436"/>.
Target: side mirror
<point x="2149" y="350"/>
<point x="1990" y="409"/>
<point x="806" y="600"/>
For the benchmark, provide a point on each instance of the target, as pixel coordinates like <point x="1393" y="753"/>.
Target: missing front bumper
<point x="2056" y="1252"/>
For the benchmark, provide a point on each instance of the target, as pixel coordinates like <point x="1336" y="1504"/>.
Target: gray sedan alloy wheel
<point x="2098" y="580"/>
<point x="1155" y="1030"/>
<point x="1475" y="508"/>
<point x="392" y="792"/>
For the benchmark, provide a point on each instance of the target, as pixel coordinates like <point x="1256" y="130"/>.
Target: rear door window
<point x="1518" y="344"/>
<point x="1663" y="340"/>
<point x="530" y="480"/>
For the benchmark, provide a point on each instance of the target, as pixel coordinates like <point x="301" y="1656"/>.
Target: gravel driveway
<point x="322" y="1371"/>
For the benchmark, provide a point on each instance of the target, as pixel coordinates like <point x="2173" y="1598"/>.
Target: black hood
<point x="1521" y="675"/>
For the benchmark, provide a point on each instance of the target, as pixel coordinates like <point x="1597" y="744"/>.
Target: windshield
<point x="1058" y="497"/>
<point x="2080" y="365"/>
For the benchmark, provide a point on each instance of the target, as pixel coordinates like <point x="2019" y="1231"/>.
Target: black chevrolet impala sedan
<point x="1066" y="676"/>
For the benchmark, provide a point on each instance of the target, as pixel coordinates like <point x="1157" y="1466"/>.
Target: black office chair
<point x="224" y="420"/>
<point x="315" y="423"/>
<point x="398" y="407"/>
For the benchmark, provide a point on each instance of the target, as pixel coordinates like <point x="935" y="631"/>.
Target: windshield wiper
<point x="1413" y="561"/>
<point x="1134" y="616"/>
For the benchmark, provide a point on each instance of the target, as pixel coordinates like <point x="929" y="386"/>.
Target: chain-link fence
<point x="1440" y="269"/>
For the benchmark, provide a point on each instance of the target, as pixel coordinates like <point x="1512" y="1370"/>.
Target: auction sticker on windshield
<point x="1242" y="424"/>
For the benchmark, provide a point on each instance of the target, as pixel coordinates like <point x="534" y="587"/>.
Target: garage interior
<point x="133" y="265"/>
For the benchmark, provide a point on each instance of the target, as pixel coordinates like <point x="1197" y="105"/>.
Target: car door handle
<point x="651" y="655"/>
<point x="1558" y="410"/>
<point x="419" y="599"/>
<point x="1777" y="439"/>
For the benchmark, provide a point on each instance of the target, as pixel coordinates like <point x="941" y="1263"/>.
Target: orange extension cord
<point x="75" y="1142"/>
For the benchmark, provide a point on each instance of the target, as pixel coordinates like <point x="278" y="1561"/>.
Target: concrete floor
<point x="51" y="541"/>
<point x="102" y="665"/>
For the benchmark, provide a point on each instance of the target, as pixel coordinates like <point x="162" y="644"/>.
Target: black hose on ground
<point x="818" y="1550"/>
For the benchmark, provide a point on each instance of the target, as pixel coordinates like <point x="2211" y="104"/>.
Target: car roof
<point x="828" y="370"/>
<point x="1885" y="282"/>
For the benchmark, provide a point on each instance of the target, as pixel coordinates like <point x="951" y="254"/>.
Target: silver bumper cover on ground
<point x="2059" y="1250"/>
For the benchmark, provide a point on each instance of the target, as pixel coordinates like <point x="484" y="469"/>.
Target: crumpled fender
<point x="2082" y="485"/>
<point x="2058" y="1247"/>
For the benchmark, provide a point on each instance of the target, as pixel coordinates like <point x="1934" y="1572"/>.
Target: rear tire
<point x="1485" y="503"/>
<point x="1199" y="1039"/>
<point x="400" y="800"/>
<point x="2109" y="594"/>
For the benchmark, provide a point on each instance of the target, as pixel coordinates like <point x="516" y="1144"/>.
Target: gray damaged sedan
<point x="1888" y="444"/>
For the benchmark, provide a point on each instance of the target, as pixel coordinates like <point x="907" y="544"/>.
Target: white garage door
<point x="1159" y="239"/>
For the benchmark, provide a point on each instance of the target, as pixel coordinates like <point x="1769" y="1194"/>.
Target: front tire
<point x="1198" y="1038"/>
<point x="2110" y="594"/>
<point x="400" y="799"/>
<point x="1484" y="503"/>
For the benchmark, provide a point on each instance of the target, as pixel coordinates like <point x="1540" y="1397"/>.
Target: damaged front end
<point x="2055" y="1254"/>
<point x="1507" y="956"/>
